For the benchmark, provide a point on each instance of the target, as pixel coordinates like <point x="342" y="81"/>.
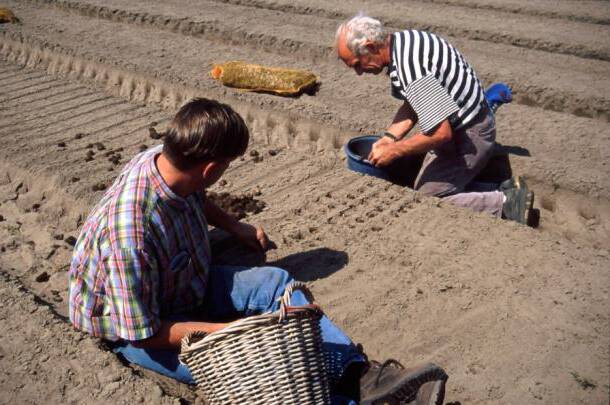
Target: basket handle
<point x="285" y="299"/>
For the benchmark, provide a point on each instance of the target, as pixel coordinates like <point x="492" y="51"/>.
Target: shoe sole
<point x="529" y="205"/>
<point x="407" y="388"/>
<point x="431" y="393"/>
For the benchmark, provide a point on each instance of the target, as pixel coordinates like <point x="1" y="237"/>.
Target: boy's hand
<point x="254" y="237"/>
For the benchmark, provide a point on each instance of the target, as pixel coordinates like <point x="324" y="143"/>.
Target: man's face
<point x="371" y="63"/>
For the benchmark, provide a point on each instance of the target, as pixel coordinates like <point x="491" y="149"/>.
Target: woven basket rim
<point x="196" y="340"/>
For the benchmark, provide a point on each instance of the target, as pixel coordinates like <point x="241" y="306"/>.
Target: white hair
<point x="359" y="30"/>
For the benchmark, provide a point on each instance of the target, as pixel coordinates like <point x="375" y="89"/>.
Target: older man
<point x="442" y="93"/>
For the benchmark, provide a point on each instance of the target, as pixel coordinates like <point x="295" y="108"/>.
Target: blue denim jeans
<point x="236" y="292"/>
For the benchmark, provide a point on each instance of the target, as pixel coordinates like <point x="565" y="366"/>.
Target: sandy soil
<point x="515" y="315"/>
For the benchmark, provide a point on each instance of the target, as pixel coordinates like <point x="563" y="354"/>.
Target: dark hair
<point x="204" y="130"/>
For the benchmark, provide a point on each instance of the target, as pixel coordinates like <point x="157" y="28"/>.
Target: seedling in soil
<point x="584" y="382"/>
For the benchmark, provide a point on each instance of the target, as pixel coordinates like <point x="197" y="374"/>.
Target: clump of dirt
<point x="115" y="159"/>
<point x="90" y="155"/>
<point x="70" y="240"/>
<point x="256" y="157"/>
<point x="152" y="132"/>
<point x="238" y="206"/>
<point x="98" y="187"/>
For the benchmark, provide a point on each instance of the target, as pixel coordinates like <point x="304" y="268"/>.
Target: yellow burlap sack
<point x="248" y="76"/>
<point x="7" y="16"/>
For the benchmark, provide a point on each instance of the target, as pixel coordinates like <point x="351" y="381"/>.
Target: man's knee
<point x="437" y="189"/>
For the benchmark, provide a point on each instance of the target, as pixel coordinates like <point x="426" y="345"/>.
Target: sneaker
<point x="518" y="205"/>
<point x="391" y="383"/>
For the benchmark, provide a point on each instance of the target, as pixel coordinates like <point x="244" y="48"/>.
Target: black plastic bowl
<point x="402" y="171"/>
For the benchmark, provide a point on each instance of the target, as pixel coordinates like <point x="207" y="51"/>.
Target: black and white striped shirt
<point x="434" y="78"/>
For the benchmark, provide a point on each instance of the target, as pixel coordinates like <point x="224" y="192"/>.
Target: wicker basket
<point x="273" y="358"/>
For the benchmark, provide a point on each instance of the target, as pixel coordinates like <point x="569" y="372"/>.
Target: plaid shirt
<point x="143" y="254"/>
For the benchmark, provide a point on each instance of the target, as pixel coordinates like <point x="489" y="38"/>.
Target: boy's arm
<point x="170" y="334"/>
<point x="252" y="236"/>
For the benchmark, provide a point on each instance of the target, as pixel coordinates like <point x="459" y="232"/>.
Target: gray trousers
<point x="448" y="172"/>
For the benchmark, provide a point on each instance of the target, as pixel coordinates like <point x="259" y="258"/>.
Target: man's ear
<point x="371" y="47"/>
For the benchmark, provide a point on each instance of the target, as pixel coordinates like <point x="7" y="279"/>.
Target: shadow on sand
<point x="303" y="266"/>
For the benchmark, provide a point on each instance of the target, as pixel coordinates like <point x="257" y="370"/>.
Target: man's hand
<point x="253" y="237"/>
<point x="384" y="140"/>
<point x="384" y="152"/>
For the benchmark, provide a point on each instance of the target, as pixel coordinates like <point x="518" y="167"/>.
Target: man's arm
<point x="403" y="121"/>
<point x="170" y="334"/>
<point x="386" y="153"/>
